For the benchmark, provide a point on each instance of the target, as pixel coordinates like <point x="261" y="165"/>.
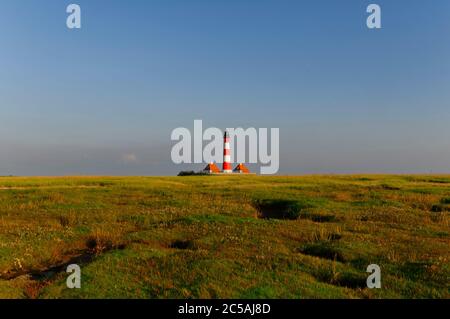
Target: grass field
<point x="203" y="237"/>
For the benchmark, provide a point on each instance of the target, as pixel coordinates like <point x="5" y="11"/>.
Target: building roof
<point x="211" y="168"/>
<point x="241" y="168"/>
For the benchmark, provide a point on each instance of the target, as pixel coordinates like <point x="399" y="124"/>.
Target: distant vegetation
<point x="228" y="237"/>
<point x="191" y="173"/>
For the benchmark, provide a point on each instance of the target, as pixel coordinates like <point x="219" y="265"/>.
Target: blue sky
<point x="104" y="99"/>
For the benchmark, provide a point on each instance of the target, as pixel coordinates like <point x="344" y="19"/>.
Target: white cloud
<point x="129" y="158"/>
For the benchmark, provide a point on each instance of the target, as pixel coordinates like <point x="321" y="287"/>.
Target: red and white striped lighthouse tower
<point x="226" y="154"/>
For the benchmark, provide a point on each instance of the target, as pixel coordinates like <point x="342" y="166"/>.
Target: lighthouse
<point x="226" y="154"/>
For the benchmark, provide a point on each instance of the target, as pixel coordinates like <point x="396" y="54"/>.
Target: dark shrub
<point x="323" y="250"/>
<point x="183" y="244"/>
<point x="440" y="208"/>
<point x="186" y="173"/>
<point x="279" y="208"/>
<point x="352" y="280"/>
<point x="322" y="218"/>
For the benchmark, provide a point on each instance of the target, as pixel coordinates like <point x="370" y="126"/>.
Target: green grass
<point x="225" y="237"/>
